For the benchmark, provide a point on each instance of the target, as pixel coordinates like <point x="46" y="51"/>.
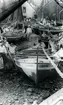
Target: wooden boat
<point x="34" y="63"/>
<point x="14" y="36"/>
<point x="53" y="30"/>
<point x="56" y="31"/>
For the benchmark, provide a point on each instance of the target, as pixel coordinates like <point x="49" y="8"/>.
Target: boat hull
<point x="13" y="36"/>
<point x="36" y="71"/>
<point x="5" y="62"/>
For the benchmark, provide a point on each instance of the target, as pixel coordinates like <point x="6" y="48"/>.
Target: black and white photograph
<point x="31" y="52"/>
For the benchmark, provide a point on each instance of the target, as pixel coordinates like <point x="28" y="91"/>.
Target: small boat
<point x="53" y="30"/>
<point x="34" y="63"/>
<point x="56" y="31"/>
<point x="14" y="36"/>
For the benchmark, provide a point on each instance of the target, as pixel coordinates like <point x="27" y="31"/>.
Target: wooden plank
<point x="54" y="99"/>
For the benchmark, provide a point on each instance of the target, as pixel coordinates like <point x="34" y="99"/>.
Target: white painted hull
<point x="34" y="63"/>
<point x="32" y="69"/>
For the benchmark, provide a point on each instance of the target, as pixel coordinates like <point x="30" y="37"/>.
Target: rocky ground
<point x="15" y="88"/>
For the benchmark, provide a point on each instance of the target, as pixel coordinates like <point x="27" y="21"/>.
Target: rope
<point x="54" y="65"/>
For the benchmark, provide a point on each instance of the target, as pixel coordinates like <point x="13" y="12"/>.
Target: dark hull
<point x="5" y="62"/>
<point x="14" y="36"/>
<point x="53" y="30"/>
<point x="12" y="39"/>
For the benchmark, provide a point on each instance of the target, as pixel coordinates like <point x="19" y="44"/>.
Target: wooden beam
<point x="55" y="99"/>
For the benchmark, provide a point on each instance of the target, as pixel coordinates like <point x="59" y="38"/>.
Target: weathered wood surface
<point x="55" y="99"/>
<point x="30" y="64"/>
